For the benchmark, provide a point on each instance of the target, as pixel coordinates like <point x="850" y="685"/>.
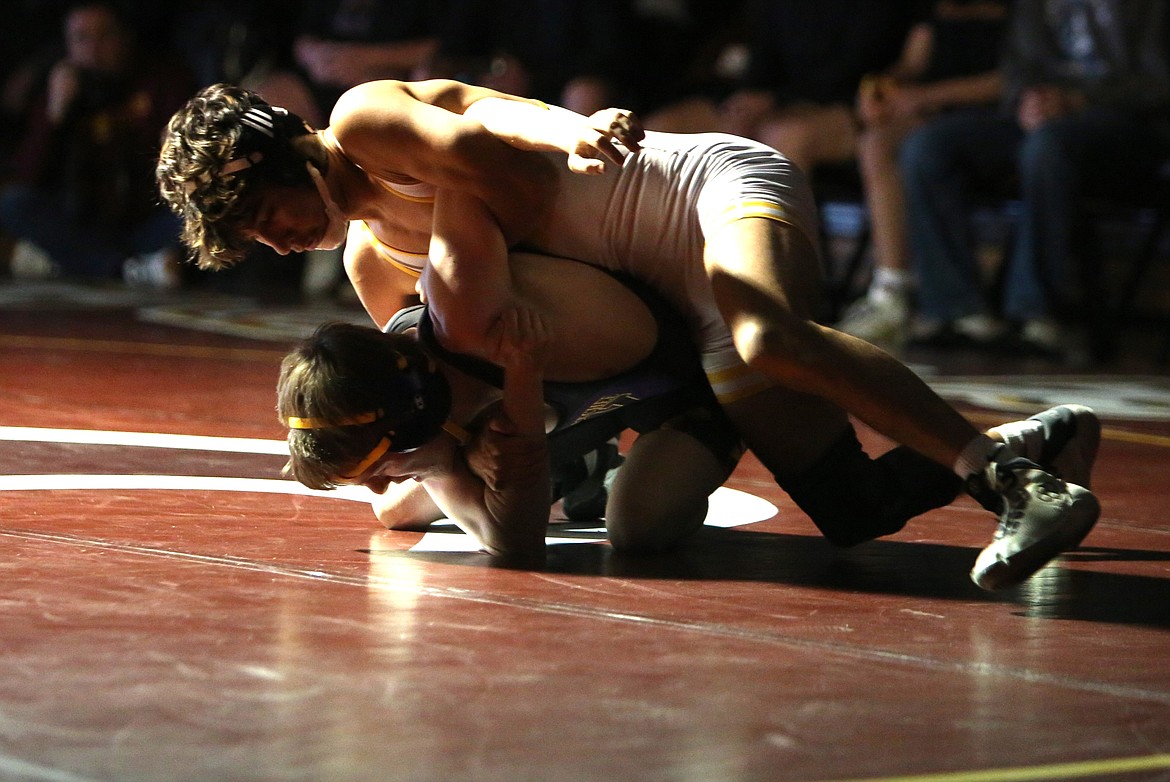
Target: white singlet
<point x="650" y="216"/>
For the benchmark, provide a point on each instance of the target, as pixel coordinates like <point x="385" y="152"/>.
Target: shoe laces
<point x="1011" y="486"/>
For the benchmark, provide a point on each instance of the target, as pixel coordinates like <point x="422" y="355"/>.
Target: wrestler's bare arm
<point x="489" y="192"/>
<point x="381" y="288"/>
<point x="468" y="281"/>
<point x="509" y="514"/>
<point x="406" y="506"/>
<point x="391" y="131"/>
<point x="499" y="193"/>
<point x="588" y="142"/>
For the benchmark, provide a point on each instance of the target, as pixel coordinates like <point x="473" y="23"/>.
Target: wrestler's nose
<point x="377" y="484"/>
<point x="280" y="246"/>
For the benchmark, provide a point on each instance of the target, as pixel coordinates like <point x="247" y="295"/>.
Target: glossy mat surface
<point x="172" y="609"/>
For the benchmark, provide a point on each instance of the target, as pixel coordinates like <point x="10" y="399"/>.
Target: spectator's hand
<point x="873" y="107"/>
<point x="64" y="83"/>
<point x="882" y="101"/>
<point x="596" y="143"/>
<point x="1045" y="103"/>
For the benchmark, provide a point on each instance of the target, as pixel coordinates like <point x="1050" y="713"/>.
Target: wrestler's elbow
<point x="516" y="550"/>
<point x="463" y="329"/>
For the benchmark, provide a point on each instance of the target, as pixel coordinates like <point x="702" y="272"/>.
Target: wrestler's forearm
<point x="508" y="522"/>
<point x="527" y="125"/>
<point x="406" y="506"/>
<point x="518" y="505"/>
<point x="468" y="281"/>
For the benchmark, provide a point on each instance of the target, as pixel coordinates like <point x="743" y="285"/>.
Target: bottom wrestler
<point x="374" y="408"/>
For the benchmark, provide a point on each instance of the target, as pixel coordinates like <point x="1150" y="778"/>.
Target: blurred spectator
<point x="26" y="54"/>
<point x="683" y="49"/>
<point x="950" y="62"/>
<point x="1087" y="112"/>
<point x="805" y="62"/>
<point x="341" y="43"/>
<point x="83" y="185"/>
<point x="573" y="53"/>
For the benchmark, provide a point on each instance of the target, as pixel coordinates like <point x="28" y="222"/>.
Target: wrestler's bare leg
<point x="811" y="135"/>
<point x="766" y="277"/>
<point x="660" y="494"/>
<point x="787" y="431"/>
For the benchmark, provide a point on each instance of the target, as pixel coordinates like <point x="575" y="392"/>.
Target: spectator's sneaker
<point x="158" y="270"/>
<point x="1042" y="517"/>
<point x="30" y="262"/>
<point x="1063" y="440"/>
<point x="882" y="319"/>
<point x="970" y="331"/>
<point x="1067" y="344"/>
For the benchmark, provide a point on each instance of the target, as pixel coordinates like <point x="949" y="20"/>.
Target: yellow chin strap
<point x="372" y="457"/>
<point x="460" y="434"/>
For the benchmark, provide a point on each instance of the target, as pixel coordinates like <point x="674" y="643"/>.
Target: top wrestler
<point x="723" y="226"/>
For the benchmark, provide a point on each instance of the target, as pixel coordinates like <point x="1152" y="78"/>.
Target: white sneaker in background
<point x="979" y="331"/>
<point x="30" y="262"/>
<point x="880" y="317"/>
<point x="981" y="328"/>
<point x="323" y="271"/>
<point x="1044" y="335"/>
<point x="158" y="271"/>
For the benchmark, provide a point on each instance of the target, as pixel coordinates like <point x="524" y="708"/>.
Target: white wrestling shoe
<point x="1042" y="516"/>
<point x="1063" y="440"/>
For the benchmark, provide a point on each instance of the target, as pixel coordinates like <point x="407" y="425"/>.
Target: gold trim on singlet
<point x="461" y="435"/>
<point x="403" y="190"/>
<point x="766" y="209"/>
<point x="397" y="258"/>
<point x="737" y="381"/>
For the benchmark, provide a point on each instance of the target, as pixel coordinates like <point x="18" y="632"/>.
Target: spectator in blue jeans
<point x="1085" y="113"/>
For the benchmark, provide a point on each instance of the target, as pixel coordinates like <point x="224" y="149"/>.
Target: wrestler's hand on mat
<point x="596" y="144"/>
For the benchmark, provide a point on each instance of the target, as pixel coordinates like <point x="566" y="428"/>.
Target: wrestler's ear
<point x="311" y="149"/>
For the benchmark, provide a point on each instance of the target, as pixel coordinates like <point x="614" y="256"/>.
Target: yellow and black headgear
<point x="359" y="394"/>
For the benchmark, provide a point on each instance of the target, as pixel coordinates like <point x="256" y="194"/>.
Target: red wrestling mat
<point x="173" y="609"/>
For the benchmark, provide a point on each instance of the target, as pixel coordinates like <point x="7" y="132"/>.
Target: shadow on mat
<point x="921" y="570"/>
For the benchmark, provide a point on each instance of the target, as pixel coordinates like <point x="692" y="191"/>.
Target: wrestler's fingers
<point x="606" y="147"/>
<point x="627" y="128"/>
<point x="619" y="124"/>
<point x="581" y="164"/>
<point x="497" y="335"/>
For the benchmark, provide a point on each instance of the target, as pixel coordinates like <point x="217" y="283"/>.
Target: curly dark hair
<point x="205" y="135"/>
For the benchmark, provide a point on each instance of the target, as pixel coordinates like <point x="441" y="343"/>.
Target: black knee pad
<point x="853" y="498"/>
